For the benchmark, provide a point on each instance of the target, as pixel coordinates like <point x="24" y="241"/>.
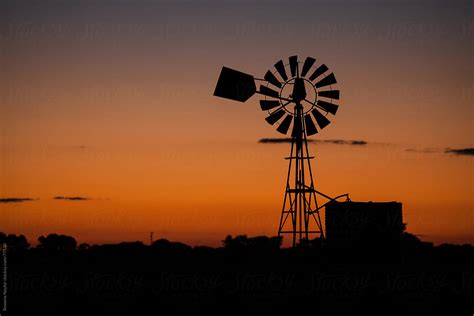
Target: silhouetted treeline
<point x="374" y="248"/>
<point x="379" y="274"/>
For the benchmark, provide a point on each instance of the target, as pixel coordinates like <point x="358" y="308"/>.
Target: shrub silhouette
<point x="84" y="246"/>
<point x="166" y="246"/>
<point x="241" y="242"/>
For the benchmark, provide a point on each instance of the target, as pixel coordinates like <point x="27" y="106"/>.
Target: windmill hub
<point x="301" y="98"/>
<point x="287" y="91"/>
<point x="299" y="91"/>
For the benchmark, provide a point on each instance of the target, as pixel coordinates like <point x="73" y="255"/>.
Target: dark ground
<point x="246" y="275"/>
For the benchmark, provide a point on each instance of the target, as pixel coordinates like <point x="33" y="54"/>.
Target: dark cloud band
<point x="327" y="141"/>
<point x="15" y="200"/>
<point x="462" y="151"/>
<point x="71" y="198"/>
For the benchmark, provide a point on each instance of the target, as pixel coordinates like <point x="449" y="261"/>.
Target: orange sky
<point x="114" y="102"/>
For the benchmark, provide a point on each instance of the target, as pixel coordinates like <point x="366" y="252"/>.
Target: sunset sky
<point x="113" y="101"/>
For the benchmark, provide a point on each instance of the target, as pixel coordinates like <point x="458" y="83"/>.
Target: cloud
<point x="326" y="141"/>
<point x="344" y="142"/>
<point x="276" y="140"/>
<point x="71" y="198"/>
<point x="461" y="152"/>
<point x="15" y="200"/>
<point x="423" y="150"/>
<point x="458" y="152"/>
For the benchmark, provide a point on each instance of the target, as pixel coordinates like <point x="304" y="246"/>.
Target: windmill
<point x="303" y="100"/>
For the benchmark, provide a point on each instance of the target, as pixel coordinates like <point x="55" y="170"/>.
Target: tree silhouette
<point x="57" y="242"/>
<point x="14" y="242"/>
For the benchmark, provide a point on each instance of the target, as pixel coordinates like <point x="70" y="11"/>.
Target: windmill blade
<point x="308" y="63"/>
<point x="297" y="128"/>
<point x="326" y="81"/>
<point x="269" y="104"/>
<point x="275" y="116"/>
<point x="268" y="92"/>
<point x="270" y="77"/>
<point x="285" y="124"/>
<point x="332" y="94"/>
<point x="318" y="72"/>
<point x="293" y="65"/>
<point x="280" y="67"/>
<point x="309" y="125"/>
<point x="328" y="107"/>
<point x="320" y="119"/>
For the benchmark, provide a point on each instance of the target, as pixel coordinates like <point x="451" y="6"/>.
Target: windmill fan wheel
<point x="306" y="85"/>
